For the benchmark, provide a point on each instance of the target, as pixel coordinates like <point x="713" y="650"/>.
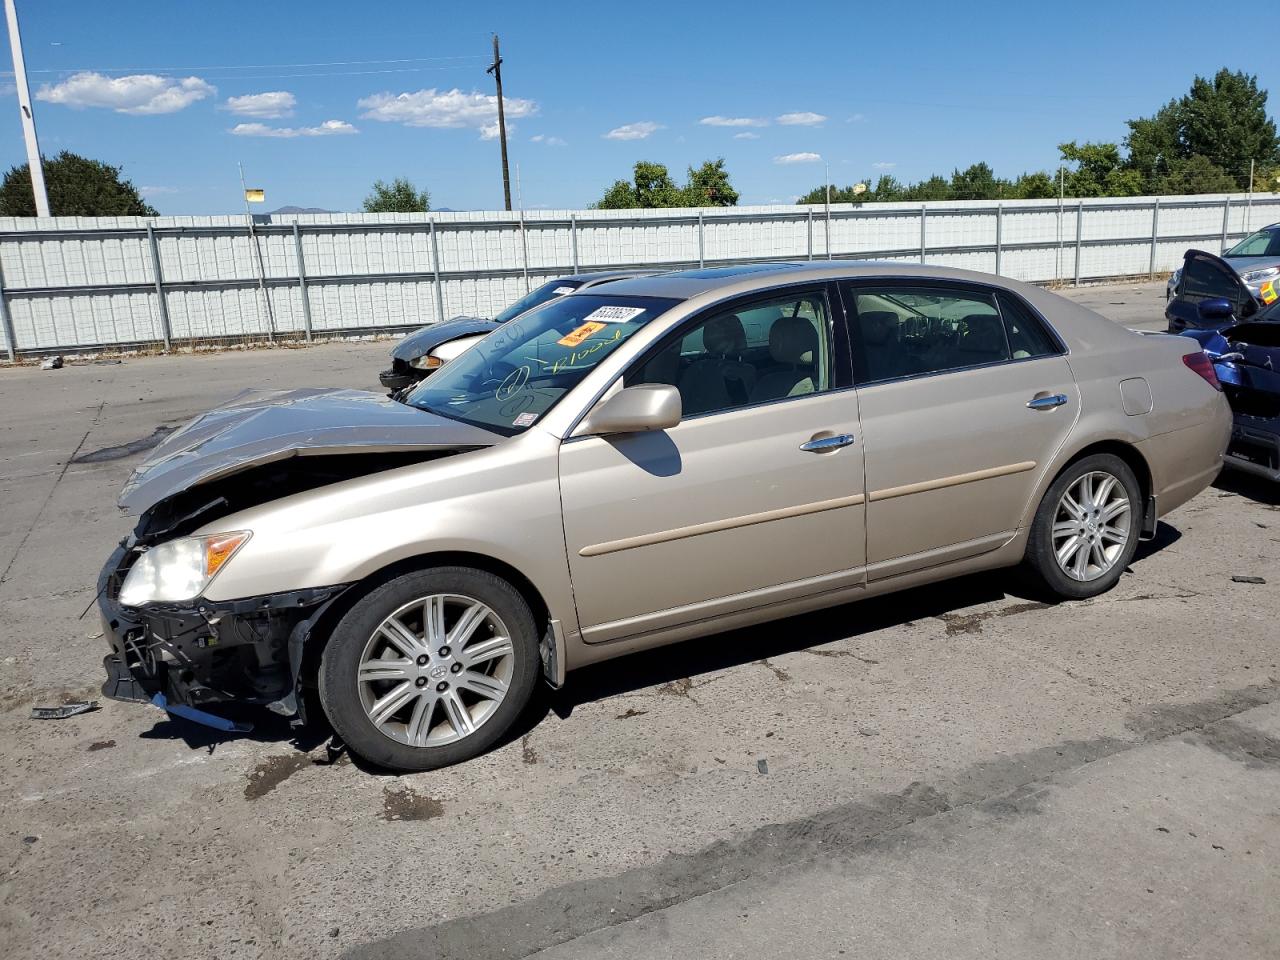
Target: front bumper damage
<point x="203" y="652"/>
<point x="1255" y="446"/>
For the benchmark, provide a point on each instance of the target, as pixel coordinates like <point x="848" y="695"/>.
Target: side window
<point x="1203" y="278"/>
<point x="1027" y="336"/>
<point x="756" y="353"/>
<point x="907" y="331"/>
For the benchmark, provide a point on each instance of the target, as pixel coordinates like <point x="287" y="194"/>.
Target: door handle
<point x="824" y="444"/>
<point x="1047" y="403"/>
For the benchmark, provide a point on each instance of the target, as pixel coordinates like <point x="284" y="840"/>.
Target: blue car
<point x="1242" y="338"/>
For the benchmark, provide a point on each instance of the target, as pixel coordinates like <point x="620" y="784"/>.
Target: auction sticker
<point x="1268" y="291"/>
<point x="561" y="291"/>
<point x="524" y="420"/>
<point x="615" y="314"/>
<point x="577" y="336"/>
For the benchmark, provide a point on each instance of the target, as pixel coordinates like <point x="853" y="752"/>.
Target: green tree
<point x="978" y="182"/>
<point x="1033" y="186"/>
<point x="709" y="186"/>
<point x="77" y="187"/>
<point x="935" y="188"/>
<point x="1196" y="174"/>
<point x="398" y="196"/>
<point x="1099" y="171"/>
<point x="1224" y="120"/>
<point x="651" y="186"/>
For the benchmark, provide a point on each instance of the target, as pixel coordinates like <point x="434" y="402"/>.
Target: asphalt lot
<point x="956" y="771"/>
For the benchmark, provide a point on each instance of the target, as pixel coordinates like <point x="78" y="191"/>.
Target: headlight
<point x="179" y="569"/>
<point x="427" y="362"/>
<point x="1257" y="276"/>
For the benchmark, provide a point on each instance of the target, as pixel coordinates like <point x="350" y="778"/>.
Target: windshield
<point x="537" y="297"/>
<point x="1264" y="243"/>
<point x="519" y="372"/>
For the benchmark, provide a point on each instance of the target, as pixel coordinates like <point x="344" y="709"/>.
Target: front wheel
<point x="430" y="669"/>
<point x="1085" y="531"/>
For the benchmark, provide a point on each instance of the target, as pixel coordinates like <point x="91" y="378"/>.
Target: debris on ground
<point x="762" y="765"/>
<point x="1248" y="580"/>
<point x="53" y="363"/>
<point x="64" y="711"/>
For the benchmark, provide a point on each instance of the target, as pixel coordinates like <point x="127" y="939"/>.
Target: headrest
<point x="878" y="326"/>
<point x="982" y="334"/>
<point x="724" y="335"/>
<point x="793" y="340"/>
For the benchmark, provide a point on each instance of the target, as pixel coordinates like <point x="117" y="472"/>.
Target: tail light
<point x="1199" y="363"/>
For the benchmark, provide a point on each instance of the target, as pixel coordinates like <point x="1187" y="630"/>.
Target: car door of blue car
<point x="1207" y="281"/>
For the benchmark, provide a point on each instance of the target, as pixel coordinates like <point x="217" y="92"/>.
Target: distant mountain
<point x="300" y="210"/>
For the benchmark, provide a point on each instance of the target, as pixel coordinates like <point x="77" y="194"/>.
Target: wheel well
<point x="323" y="626"/>
<point x="1130" y="455"/>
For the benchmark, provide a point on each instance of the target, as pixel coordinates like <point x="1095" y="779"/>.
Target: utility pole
<point x="28" y="118"/>
<point x="496" y="69"/>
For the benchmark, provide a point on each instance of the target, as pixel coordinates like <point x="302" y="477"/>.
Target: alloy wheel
<point x="435" y="670"/>
<point x="1091" y="526"/>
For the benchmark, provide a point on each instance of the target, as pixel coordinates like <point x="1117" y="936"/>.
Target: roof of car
<point x="744" y="278"/>
<point x="599" y="275"/>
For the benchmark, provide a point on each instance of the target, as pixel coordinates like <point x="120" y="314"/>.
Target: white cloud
<point x="734" y="122"/>
<point x="798" y="158"/>
<point x="633" y="131"/>
<point x="156" y="191"/>
<point x="450" y="109"/>
<point x="326" y="129"/>
<point x="883" y="165"/>
<point x="549" y="141"/>
<point x="804" y="119"/>
<point x="857" y="118"/>
<point x="142" y="93"/>
<point x="263" y="106"/>
<point x="748" y="135"/>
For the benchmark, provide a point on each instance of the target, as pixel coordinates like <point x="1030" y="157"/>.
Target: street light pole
<point x="28" y="117"/>
<point x="496" y="69"/>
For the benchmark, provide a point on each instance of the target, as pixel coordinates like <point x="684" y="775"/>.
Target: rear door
<point x="965" y="395"/>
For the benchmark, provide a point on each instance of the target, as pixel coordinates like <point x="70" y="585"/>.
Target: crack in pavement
<point x="1009" y="784"/>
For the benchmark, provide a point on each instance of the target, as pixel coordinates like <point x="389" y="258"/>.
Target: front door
<point x="754" y="497"/>
<point x="965" y="397"/>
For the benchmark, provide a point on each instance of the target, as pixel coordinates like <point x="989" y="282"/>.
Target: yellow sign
<point x="584" y="331"/>
<point x="255" y="196"/>
<point x="1268" y="292"/>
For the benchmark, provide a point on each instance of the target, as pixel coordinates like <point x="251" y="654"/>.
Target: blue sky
<point x="324" y="97"/>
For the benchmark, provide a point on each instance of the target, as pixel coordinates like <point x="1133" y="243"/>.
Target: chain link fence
<point x="70" y="284"/>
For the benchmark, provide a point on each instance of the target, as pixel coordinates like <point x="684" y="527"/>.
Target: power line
<point x="269" y="66"/>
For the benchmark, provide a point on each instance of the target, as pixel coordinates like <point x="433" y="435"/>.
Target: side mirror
<point x="1215" y="308"/>
<point x="649" y="406"/>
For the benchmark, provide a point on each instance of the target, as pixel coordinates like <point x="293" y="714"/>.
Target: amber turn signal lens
<point x="218" y="550"/>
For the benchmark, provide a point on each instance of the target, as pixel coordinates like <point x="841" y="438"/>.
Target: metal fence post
<point x="573" y="239"/>
<point x="302" y="282"/>
<point x="924" y="213"/>
<point x="160" y="300"/>
<point x="1079" y="226"/>
<point x="828" y="231"/>
<point x="1226" y="216"/>
<point x="1155" y="237"/>
<point x="435" y="271"/>
<point x="7" y="322"/>
<point x="524" y="253"/>
<point x="999" y="232"/>
<point x="810" y="219"/>
<point x="702" y="261"/>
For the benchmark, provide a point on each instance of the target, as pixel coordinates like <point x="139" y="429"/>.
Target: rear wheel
<point x="431" y="668"/>
<point x="1085" y="531"/>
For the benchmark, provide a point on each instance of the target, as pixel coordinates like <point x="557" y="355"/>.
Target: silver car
<point x="657" y="459"/>
<point x="1256" y="259"/>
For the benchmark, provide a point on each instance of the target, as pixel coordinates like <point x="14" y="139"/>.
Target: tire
<point x="403" y="703"/>
<point x="1051" y="536"/>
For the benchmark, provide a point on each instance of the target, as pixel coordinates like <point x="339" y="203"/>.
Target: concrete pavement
<point x="639" y="788"/>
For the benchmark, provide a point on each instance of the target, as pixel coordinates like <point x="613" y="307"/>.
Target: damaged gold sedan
<point x="672" y="457"/>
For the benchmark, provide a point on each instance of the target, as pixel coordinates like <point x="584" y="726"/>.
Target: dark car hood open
<point x="260" y="427"/>
<point x="418" y="343"/>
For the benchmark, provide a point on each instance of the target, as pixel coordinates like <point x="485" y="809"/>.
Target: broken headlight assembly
<point x="180" y="569"/>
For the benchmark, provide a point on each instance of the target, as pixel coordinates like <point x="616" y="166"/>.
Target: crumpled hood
<point x="418" y="343"/>
<point x="260" y="427"/>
